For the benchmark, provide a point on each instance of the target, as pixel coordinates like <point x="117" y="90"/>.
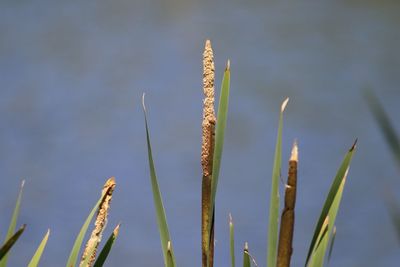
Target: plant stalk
<point x="285" y="248"/>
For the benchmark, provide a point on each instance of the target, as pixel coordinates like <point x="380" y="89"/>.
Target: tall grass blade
<point x="13" y="223"/>
<point x="385" y="125"/>
<point x="107" y="248"/>
<point x="161" y="217"/>
<point x="220" y="131"/>
<point x="38" y="254"/>
<point x="10" y="242"/>
<point x="246" y="256"/>
<point x="232" y="240"/>
<point x="274" y="198"/>
<point x="333" y="199"/>
<point x="73" y="256"/>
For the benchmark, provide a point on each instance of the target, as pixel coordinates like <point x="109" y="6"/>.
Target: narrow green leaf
<point x="220" y="133"/>
<point x="317" y="256"/>
<point x="107" y="248"/>
<point x="161" y="217"/>
<point x="332" y="201"/>
<point x="13" y="223"/>
<point x="170" y="259"/>
<point x="232" y="240"/>
<point x="332" y="243"/>
<point x="246" y="256"/>
<point x="386" y="126"/>
<point x="79" y="239"/>
<point x="274" y="198"/>
<point x="38" y="254"/>
<point x="10" y="242"/>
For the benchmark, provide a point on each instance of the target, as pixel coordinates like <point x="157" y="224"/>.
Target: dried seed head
<point x="100" y="223"/>
<point x="208" y="124"/>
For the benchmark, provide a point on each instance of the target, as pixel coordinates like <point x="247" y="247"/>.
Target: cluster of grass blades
<point x="279" y="243"/>
<point x="89" y="254"/>
<point x="280" y="228"/>
<point x="12" y="236"/>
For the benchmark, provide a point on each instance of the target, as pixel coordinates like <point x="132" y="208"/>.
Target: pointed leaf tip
<point x="354" y="145"/>
<point x="284" y="104"/>
<point x="228" y="65"/>
<point x="143" y="105"/>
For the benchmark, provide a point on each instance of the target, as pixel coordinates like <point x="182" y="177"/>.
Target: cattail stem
<point x="287" y="220"/>
<point x="207" y="153"/>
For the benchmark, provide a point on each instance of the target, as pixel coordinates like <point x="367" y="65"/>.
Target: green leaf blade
<point x="246" y="256"/>
<point x="5" y="248"/>
<point x="159" y="206"/>
<point x="232" y="240"/>
<point x="107" y="248"/>
<point x="38" y="254"/>
<point x="220" y="133"/>
<point x="13" y="223"/>
<point x="274" y="197"/>
<point x="332" y="202"/>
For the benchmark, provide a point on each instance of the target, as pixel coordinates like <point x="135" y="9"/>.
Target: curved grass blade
<point x="10" y="242"/>
<point x="73" y="256"/>
<point x="232" y="240"/>
<point x="38" y="254"/>
<point x="161" y="217"/>
<point x="317" y="255"/>
<point x="220" y="132"/>
<point x="274" y="198"/>
<point x="13" y="223"/>
<point x="107" y="248"/>
<point x="387" y="129"/>
<point x="246" y="256"/>
<point x="332" y="201"/>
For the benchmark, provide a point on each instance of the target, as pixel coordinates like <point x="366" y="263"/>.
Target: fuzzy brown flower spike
<point x="207" y="153"/>
<point x="100" y="223"/>
<point x="209" y="119"/>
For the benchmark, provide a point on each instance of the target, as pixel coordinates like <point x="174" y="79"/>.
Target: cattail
<point x="208" y="124"/>
<point x="287" y="220"/>
<point x="100" y="223"/>
<point x="207" y="153"/>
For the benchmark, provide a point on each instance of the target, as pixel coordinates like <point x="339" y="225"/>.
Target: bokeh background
<point x="72" y="74"/>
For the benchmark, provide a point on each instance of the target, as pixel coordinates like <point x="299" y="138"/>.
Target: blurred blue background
<point x="72" y="75"/>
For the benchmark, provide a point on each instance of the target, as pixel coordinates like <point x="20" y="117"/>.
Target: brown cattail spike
<point x="207" y="153"/>
<point x="287" y="220"/>
<point x="209" y="119"/>
<point x="100" y="223"/>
